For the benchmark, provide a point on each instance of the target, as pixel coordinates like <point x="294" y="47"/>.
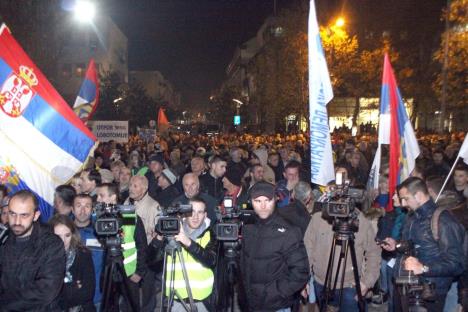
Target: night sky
<point x="190" y="41"/>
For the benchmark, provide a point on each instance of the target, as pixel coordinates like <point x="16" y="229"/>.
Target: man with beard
<point x="32" y="260"/>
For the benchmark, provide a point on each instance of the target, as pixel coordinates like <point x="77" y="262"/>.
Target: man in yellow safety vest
<point x="199" y="253"/>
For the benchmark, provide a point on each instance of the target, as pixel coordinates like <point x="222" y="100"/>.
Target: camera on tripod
<point x="231" y="219"/>
<point x="416" y="288"/>
<point x="109" y="218"/>
<point x="169" y="223"/>
<point x="3" y="233"/>
<point x="340" y="201"/>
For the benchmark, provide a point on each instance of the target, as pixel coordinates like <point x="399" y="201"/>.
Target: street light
<point x="84" y="11"/>
<point x="340" y="22"/>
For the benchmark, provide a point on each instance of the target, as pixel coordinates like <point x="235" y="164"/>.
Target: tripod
<point x="344" y="234"/>
<point x="115" y="278"/>
<point x="230" y="268"/>
<point x="174" y="250"/>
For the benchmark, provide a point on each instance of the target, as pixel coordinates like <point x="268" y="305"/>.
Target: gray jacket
<point x="318" y="241"/>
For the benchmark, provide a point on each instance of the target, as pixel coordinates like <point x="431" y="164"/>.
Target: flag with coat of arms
<point x="43" y="143"/>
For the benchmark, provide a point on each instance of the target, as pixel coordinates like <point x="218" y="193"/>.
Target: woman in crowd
<point x="79" y="282"/>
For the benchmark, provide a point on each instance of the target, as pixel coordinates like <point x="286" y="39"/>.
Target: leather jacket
<point x="444" y="257"/>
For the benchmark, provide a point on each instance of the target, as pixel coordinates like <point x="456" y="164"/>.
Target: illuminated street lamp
<point x="84" y="11"/>
<point x="340" y="22"/>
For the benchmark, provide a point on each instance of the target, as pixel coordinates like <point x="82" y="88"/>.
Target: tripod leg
<point x="356" y="277"/>
<point x="107" y="287"/>
<point x="124" y="288"/>
<point x="338" y="267"/>
<point x="327" y="286"/>
<point x="170" y="297"/>
<point x="345" y="260"/>
<point x="163" y="283"/>
<point x="193" y="308"/>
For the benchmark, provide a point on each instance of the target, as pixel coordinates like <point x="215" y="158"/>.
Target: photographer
<point x="318" y="241"/>
<point x="436" y="261"/>
<point x="274" y="262"/>
<point x="134" y="247"/>
<point x="32" y="260"/>
<point x="199" y="253"/>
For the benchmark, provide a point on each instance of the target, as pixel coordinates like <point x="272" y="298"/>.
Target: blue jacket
<point x="444" y="257"/>
<point x="89" y="239"/>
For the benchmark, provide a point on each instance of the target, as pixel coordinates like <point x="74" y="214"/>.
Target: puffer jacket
<point x="274" y="263"/>
<point x="31" y="279"/>
<point x="445" y="257"/>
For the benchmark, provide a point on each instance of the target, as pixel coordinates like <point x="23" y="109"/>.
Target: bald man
<point x="145" y="207"/>
<point x="191" y="185"/>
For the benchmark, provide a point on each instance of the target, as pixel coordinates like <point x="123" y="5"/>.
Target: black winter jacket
<point x="274" y="263"/>
<point x="445" y="257"/>
<point x="31" y="279"/>
<point x="74" y="294"/>
<point x="212" y="186"/>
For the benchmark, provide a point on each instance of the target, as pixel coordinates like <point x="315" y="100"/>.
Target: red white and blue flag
<point x="43" y="143"/>
<point x="87" y="100"/>
<point x="394" y="129"/>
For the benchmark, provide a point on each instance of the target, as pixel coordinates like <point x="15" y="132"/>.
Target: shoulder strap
<point x="435" y="222"/>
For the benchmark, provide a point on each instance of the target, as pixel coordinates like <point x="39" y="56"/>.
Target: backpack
<point x="435" y="231"/>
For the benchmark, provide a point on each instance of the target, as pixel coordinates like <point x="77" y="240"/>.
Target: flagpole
<point x="448" y="177"/>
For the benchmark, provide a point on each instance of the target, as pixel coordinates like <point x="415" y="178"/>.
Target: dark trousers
<point x="349" y="303"/>
<point x="401" y="302"/>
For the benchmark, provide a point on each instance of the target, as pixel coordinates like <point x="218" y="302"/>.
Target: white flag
<point x="320" y="93"/>
<point x="464" y="150"/>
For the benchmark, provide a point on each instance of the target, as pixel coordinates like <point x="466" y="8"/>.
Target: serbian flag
<point x="87" y="100"/>
<point x="394" y="129"/>
<point x="163" y="123"/>
<point x="320" y="93"/>
<point x="43" y="143"/>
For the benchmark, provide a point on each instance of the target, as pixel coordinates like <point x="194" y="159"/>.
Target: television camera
<point x="169" y="223"/>
<point x="415" y="289"/>
<point x="109" y="221"/>
<point x="231" y="219"/>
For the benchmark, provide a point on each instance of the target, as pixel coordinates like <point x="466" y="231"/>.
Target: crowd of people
<point x="282" y="253"/>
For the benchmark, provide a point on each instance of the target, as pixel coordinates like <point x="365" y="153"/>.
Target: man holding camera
<point x="199" y="253"/>
<point x="32" y="260"/>
<point x="436" y="260"/>
<point x="274" y="262"/>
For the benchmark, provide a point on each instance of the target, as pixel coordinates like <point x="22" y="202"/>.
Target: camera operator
<point x="437" y="262"/>
<point x="199" y="253"/>
<point x="32" y="260"/>
<point x="318" y="240"/>
<point x="134" y="247"/>
<point x="274" y="262"/>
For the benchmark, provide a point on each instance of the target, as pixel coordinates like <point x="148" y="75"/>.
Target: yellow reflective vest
<point x="128" y="246"/>
<point x="200" y="278"/>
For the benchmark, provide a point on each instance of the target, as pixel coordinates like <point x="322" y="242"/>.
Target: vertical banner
<point x="320" y="93"/>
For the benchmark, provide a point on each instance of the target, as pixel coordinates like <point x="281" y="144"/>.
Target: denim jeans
<point x="349" y="302"/>
<point x="451" y="301"/>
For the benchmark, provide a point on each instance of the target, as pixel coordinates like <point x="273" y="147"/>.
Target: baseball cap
<point x="169" y="175"/>
<point x="262" y="188"/>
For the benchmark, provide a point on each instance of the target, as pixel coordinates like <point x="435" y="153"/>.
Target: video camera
<point x="169" y="223"/>
<point x="231" y="219"/>
<point x="3" y="233"/>
<point x="340" y="201"/>
<point x="417" y="289"/>
<point x="109" y="218"/>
